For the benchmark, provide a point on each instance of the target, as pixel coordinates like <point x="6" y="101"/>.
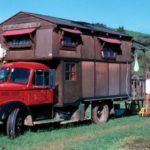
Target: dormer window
<point x="69" y="39"/>
<point x="110" y="48"/>
<point x="19" y="38"/>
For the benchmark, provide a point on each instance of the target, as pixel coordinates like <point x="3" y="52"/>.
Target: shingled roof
<point x="78" y="24"/>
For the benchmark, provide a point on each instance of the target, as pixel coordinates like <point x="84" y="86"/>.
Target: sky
<point x="134" y="15"/>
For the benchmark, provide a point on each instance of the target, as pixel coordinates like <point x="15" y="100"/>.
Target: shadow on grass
<point x="56" y="126"/>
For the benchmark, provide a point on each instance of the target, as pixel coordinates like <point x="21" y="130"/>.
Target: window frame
<point x="70" y="72"/>
<point x="75" y="41"/>
<point x="18" y="78"/>
<point x="43" y="78"/>
<point x="108" y="51"/>
<point x="8" y="40"/>
<point x="115" y="48"/>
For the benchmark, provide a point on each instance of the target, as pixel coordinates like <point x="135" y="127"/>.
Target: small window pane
<point x="67" y="67"/>
<point x="67" y="76"/>
<point x="67" y="40"/>
<point x="111" y="52"/>
<point x="105" y="51"/>
<point x="72" y="67"/>
<point x="72" y="76"/>
<point x="46" y="78"/>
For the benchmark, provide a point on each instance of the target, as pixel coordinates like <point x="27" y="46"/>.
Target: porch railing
<point x="137" y="89"/>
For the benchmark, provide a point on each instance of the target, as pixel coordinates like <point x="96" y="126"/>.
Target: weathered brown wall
<point x="59" y="87"/>
<point x="87" y="79"/>
<point x="40" y="37"/>
<point x="114" y="79"/>
<point x="43" y="43"/>
<point x="88" y="47"/>
<point x="101" y="79"/>
<point x="126" y="52"/>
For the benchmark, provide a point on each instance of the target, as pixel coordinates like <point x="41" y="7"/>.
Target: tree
<point x="121" y="29"/>
<point x="100" y="24"/>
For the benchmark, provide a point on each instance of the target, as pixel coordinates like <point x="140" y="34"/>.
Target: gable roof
<point x="71" y="23"/>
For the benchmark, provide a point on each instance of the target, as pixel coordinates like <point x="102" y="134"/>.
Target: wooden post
<point x="144" y="75"/>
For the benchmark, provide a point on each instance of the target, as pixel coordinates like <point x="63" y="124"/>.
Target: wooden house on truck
<point x="92" y="67"/>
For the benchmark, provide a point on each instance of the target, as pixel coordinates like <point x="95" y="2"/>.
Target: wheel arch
<point x="9" y="106"/>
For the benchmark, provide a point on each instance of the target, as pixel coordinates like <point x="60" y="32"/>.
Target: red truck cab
<point x="26" y="89"/>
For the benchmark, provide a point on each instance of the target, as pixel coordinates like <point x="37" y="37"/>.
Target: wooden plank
<point x="88" y="47"/>
<point x="22" y="54"/>
<point x="114" y="75"/>
<point x="58" y="93"/>
<point x="69" y="121"/>
<point x="47" y="121"/>
<point x="126" y="51"/>
<point x="87" y="79"/>
<point x="101" y="79"/>
<point x="43" y="43"/>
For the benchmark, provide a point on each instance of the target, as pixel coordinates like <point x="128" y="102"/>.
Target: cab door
<point x="41" y="93"/>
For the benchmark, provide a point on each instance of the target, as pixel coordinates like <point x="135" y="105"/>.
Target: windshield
<point x="4" y="73"/>
<point x="19" y="75"/>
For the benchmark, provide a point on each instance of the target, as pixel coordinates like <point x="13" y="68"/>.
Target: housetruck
<point x="64" y="71"/>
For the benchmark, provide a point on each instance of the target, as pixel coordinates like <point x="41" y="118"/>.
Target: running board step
<point x="68" y="121"/>
<point x="47" y="121"/>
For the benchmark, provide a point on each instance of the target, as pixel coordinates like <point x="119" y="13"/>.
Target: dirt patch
<point x="136" y="144"/>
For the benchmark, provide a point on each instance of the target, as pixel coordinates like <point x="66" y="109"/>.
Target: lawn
<point x="126" y="132"/>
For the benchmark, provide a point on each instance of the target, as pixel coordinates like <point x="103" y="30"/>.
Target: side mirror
<point x="52" y="78"/>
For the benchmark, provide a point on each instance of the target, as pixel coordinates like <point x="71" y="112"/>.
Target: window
<point x="4" y="71"/>
<point x="19" y="75"/>
<point x="70" y="72"/>
<point x="19" y="38"/>
<point x="109" y="47"/>
<point x="69" y="39"/>
<point x="108" y="51"/>
<point x="40" y="77"/>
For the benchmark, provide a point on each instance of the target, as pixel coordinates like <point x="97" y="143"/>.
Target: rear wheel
<point x="100" y="113"/>
<point x="15" y="123"/>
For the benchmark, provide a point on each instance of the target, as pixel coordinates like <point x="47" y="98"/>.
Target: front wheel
<point x="15" y="124"/>
<point x="100" y="113"/>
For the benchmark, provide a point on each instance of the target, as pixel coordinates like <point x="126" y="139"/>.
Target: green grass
<point x="110" y="135"/>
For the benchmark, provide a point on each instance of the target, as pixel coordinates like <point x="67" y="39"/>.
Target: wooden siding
<point x="114" y="79"/>
<point x="87" y="79"/>
<point x="98" y="55"/>
<point x="55" y="49"/>
<point x="58" y="100"/>
<point x="20" y="54"/>
<point x="43" y="43"/>
<point x="126" y="52"/>
<point x="88" y="47"/>
<point x="25" y="18"/>
<point x="101" y="79"/>
<point x="72" y="88"/>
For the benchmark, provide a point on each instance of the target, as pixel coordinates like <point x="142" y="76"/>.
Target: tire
<point x="15" y="123"/>
<point x="100" y="113"/>
<point x="140" y="115"/>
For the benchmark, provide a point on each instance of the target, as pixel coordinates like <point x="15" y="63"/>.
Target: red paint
<point x="109" y="40"/>
<point x="18" y="32"/>
<point x="26" y="93"/>
<point x="72" y="31"/>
